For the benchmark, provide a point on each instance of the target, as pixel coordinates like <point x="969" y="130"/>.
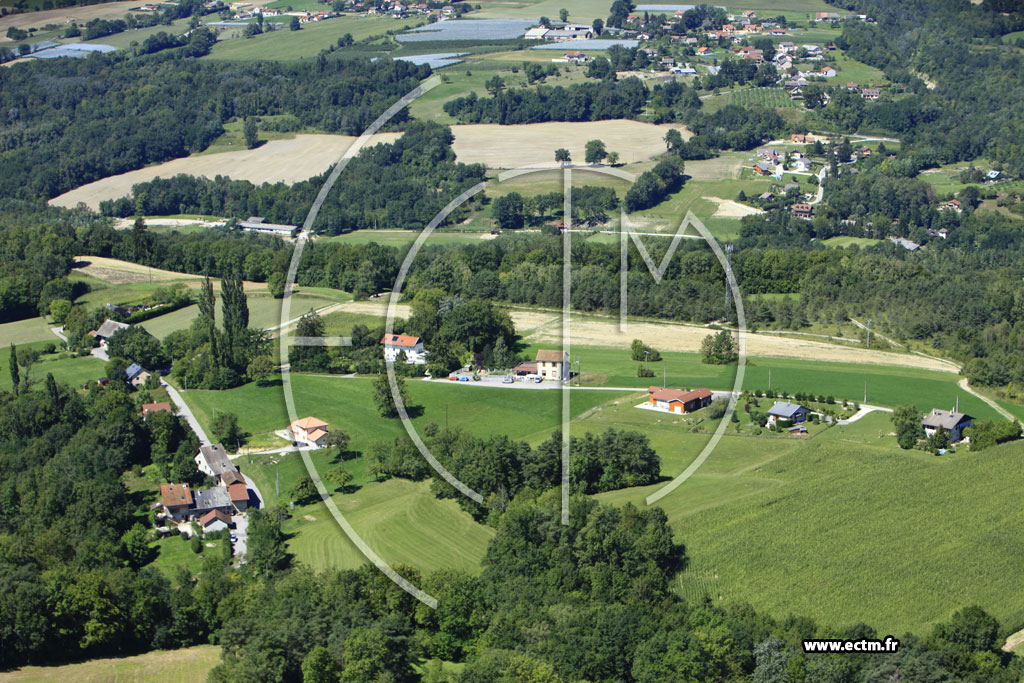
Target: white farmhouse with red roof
<point x="309" y="431"/>
<point x="395" y="344"/>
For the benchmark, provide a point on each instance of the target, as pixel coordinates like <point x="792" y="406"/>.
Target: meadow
<point x="167" y="666"/>
<point x="846" y="528"/>
<point x="753" y="97"/>
<point x="845" y="241"/>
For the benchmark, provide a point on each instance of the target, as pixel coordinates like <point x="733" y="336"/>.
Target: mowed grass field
<point x="165" y="666"/>
<point x="287" y="45"/>
<point x="845" y="528"/>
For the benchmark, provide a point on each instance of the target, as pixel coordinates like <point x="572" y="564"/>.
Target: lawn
<point x="28" y="330"/>
<point x="72" y="371"/>
<point x="846" y="528"/>
<point x="124" y="40"/>
<point x="167" y="666"/>
<point x="284" y="44"/>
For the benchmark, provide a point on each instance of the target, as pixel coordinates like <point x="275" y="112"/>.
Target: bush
<point x="718" y="407"/>
<point x="641" y="371"/>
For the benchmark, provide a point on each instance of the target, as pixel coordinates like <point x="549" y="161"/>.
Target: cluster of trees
<point x="499" y="468"/>
<point x="402" y="184"/>
<point x="590" y="206"/>
<point x="719" y="349"/>
<point x="988" y="433"/>
<point x="653" y="186"/>
<point x="734" y="127"/>
<point x="158" y="107"/>
<point x="608" y="99"/>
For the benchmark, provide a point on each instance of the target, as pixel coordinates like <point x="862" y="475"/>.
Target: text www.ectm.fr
<point x="889" y="644"/>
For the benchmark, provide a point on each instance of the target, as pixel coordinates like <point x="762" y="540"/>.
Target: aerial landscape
<point x="373" y="341"/>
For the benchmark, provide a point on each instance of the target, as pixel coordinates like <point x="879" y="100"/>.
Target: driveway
<point x="185" y="412"/>
<point x="239" y="547"/>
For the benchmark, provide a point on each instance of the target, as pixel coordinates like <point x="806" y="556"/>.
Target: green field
<point x="401" y="238"/>
<point x="846" y="528"/>
<point x="187" y="665"/>
<point x="844" y="241"/>
<point x="72" y="371"/>
<point x="886" y="385"/>
<point x="754" y="97"/>
<point x="286" y="45"/>
<point x="24" y="331"/>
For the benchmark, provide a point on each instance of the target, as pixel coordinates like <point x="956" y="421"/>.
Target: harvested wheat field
<point x="687" y="338"/>
<point x="535" y="143"/>
<point x="304" y="156"/>
<point x="82" y="15"/>
<point x="117" y="272"/>
<point x="727" y="208"/>
<point x="719" y="168"/>
<point x="287" y="161"/>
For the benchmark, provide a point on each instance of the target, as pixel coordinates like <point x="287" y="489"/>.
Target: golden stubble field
<point x="307" y="155"/>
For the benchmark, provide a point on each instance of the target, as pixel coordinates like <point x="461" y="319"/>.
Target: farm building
<point x="552" y="364"/>
<point x="258" y="224"/>
<point x="784" y="410"/>
<point x="107" y="330"/>
<point x="239" y="495"/>
<point x="951" y="421"/>
<point x="309" y="431"/>
<point x="677" y="400"/>
<point x="803" y="211"/>
<point x="213" y="460"/>
<point x="394" y="344"/>
<point x="214" y="498"/>
<point x="215" y="520"/>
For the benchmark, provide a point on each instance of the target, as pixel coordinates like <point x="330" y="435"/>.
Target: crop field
<point x="844" y="241"/>
<point x="286" y="45"/>
<point x="166" y="666"/>
<point x="752" y="97"/>
<point x="844" y="528"/>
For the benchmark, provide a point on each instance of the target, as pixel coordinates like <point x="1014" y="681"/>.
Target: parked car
<point x="463" y="379"/>
<point x="538" y="380"/>
<point x="507" y="380"/>
<point x="453" y="378"/>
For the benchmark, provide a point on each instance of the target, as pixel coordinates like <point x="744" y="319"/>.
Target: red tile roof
<point x="175" y="495"/>
<point x="148" y="408"/>
<point x="660" y="394"/>
<point x="400" y="340"/>
<point x="238" y="492"/>
<point x="215" y="514"/>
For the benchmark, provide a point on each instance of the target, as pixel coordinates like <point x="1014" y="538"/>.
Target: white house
<point x="552" y="364"/>
<point x="395" y="344"/>
<point x="213" y="460"/>
<point x="309" y="431"/>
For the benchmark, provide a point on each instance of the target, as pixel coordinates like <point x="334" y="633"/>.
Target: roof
<point x="215" y="515"/>
<point x="400" y="340"/>
<point x="309" y="423"/>
<point x="216" y="458"/>
<point x="550" y="356"/>
<point x="133" y="371"/>
<point x="526" y="366"/>
<point x="803" y="207"/>
<point x="212" y="498"/>
<point x="786" y="409"/>
<point x="238" y="492"/>
<point x="947" y="419"/>
<point x="109" y="327"/>
<point x="148" y="408"/>
<point x="232" y="477"/>
<point x="174" y="495"/>
<point x="317" y="434"/>
<point x="662" y="394"/>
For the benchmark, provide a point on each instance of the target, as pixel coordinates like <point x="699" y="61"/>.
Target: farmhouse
<point x="677" y="400"/>
<point x="215" y="498"/>
<point x="395" y="344"/>
<point x="552" y="364"/>
<point x="803" y="211"/>
<point x="213" y="460"/>
<point x="258" y="224"/>
<point x="762" y="169"/>
<point x="870" y="93"/>
<point x="136" y="375"/>
<point x="310" y="431"/>
<point x="949" y="420"/>
<point x="107" y="330"/>
<point x="784" y="410"/>
<point x="951" y="205"/>
<point x="576" y="57"/>
<point x="525" y="368"/>
<point x="802" y="165"/>
<point x="176" y="500"/>
<point x="162" y="406"/>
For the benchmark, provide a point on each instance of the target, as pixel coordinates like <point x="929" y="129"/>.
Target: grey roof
<point x="212" y="498"/>
<point x="946" y="419"/>
<point x="109" y="327"/>
<point x="133" y="371"/>
<point x="905" y="243"/>
<point x="217" y="459"/>
<point x="785" y="409"/>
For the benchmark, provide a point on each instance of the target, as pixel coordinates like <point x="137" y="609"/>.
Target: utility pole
<point x="865" y="391"/>
<point x="728" y="269"/>
<point x="277" y="481"/>
<point x="869" y="333"/>
<point x="769" y="379"/>
<point x="646" y="353"/>
<point x="664" y="375"/>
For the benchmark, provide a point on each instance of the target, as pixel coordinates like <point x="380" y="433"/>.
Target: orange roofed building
<point x="677" y="400"/>
<point x="176" y="500"/>
<point x="309" y="431"/>
<point x="395" y="344"/>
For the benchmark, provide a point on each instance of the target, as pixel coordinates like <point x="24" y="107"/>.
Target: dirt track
<point x="304" y="156"/>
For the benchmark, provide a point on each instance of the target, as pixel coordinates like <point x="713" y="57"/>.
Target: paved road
<point x="59" y="331"/>
<point x="864" y="410"/>
<point x="100" y="352"/>
<point x="186" y="412"/>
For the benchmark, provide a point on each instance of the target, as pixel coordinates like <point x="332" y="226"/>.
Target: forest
<point x="589" y="601"/>
<point x="70" y="122"/>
